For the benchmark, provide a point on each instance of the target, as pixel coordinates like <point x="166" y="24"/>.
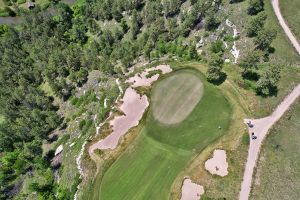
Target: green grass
<point x="180" y="91"/>
<point x="291" y="14"/>
<point x="147" y="169"/>
<point x="278" y="172"/>
<point x="284" y="51"/>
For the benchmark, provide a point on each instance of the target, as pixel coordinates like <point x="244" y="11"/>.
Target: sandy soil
<point x="133" y="108"/>
<point x="288" y="32"/>
<point x="260" y="129"/>
<point x="190" y="190"/>
<point x="217" y="164"/>
<point x="140" y="79"/>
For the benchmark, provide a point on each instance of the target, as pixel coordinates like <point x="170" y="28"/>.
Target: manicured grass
<point x="147" y="169"/>
<point x="291" y="14"/>
<point x="180" y="91"/>
<point x="278" y="172"/>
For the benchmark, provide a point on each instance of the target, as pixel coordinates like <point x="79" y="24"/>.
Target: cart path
<point x="283" y="24"/>
<point x="261" y="128"/>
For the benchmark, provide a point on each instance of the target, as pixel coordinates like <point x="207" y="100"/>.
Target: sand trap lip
<point x="133" y="108"/>
<point x="190" y="190"/>
<point x="217" y="164"/>
<point x="140" y="79"/>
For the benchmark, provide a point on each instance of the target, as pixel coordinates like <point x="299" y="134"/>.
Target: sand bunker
<point x="217" y="164"/>
<point x="140" y="79"/>
<point x="190" y="190"/>
<point x="133" y="108"/>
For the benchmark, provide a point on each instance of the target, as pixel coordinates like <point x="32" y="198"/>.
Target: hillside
<point x="64" y="73"/>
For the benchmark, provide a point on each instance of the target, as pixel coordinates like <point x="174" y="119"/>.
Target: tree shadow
<point x="251" y="75"/>
<point x="219" y="81"/>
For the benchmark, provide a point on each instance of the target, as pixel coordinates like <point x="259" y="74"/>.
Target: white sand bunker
<point x="133" y="108"/>
<point x="140" y="79"/>
<point x="190" y="190"/>
<point x="217" y="164"/>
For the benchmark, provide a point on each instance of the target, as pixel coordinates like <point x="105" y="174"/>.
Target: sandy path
<point x="261" y="128"/>
<point x="288" y="32"/>
<point x="217" y="164"/>
<point x="190" y="190"/>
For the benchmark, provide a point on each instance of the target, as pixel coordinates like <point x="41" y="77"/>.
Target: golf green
<point x="147" y="169"/>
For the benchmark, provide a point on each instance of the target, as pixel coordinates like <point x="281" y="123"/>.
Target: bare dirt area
<point x="217" y="164"/>
<point x="260" y="129"/>
<point x="133" y="108"/>
<point x="175" y="97"/>
<point x="190" y="190"/>
<point x="141" y="79"/>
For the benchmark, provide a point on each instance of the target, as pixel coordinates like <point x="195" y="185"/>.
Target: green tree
<point x="267" y="84"/>
<point x="214" y="71"/>
<point x="256" y="24"/>
<point x="255" y="6"/>
<point x="135" y="26"/>
<point x="264" y="38"/>
<point x="249" y="62"/>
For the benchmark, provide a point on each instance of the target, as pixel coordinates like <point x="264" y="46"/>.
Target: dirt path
<point x="261" y="128"/>
<point x="288" y="32"/>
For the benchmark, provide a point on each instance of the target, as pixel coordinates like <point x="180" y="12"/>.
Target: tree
<point x="214" y="71"/>
<point x="256" y="24"/>
<point x="211" y="22"/>
<point x="192" y="52"/>
<point x="135" y="26"/>
<point x="264" y="38"/>
<point x="255" y="6"/>
<point x="217" y="47"/>
<point x="124" y="25"/>
<point x="116" y="11"/>
<point x="148" y="48"/>
<point x="249" y="62"/>
<point x="267" y="84"/>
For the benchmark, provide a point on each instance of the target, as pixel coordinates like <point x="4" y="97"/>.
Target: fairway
<point x="147" y="169"/>
<point x="181" y="93"/>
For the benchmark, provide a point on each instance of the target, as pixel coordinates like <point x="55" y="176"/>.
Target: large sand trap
<point x="190" y="190"/>
<point x="217" y="164"/>
<point x="133" y="108"/>
<point x="181" y="93"/>
<point x="140" y="79"/>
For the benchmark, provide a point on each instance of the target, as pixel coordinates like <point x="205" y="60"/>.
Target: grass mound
<point x="181" y="93"/>
<point x="147" y="169"/>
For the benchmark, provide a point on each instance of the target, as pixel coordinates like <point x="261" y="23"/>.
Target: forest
<point x="61" y="44"/>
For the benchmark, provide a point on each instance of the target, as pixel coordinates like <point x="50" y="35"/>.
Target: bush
<point x="21" y="1"/>
<point x="7" y="12"/>
<point x="82" y="124"/>
<point x="255" y="6"/>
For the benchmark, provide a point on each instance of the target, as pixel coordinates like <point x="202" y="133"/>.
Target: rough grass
<point x="278" y="172"/>
<point x="180" y="91"/>
<point x="291" y="14"/>
<point x="148" y="168"/>
<point x="284" y="51"/>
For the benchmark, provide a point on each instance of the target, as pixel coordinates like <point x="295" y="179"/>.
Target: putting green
<point x="181" y="93"/>
<point x="147" y="169"/>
